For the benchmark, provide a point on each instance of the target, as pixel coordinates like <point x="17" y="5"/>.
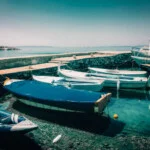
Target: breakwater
<point x="47" y="64"/>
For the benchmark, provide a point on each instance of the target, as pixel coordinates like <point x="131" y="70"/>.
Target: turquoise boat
<point x="48" y="96"/>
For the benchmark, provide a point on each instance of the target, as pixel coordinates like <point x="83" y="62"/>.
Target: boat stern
<point x="9" y="81"/>
<point x="102" y="102"/>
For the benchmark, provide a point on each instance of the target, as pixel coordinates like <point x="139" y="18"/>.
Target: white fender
<point x="12" y="117"/>
<point x="57" y="138"/>
<point x="118" y="84"/>
<point x="16" y="118"/>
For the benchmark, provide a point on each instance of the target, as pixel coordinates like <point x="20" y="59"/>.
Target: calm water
<point x="133" y="109"/>
<point x="34" y="50"/>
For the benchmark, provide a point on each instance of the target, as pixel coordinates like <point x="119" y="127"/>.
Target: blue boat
<point x="48" y="96"/>
<point x="10" y="122"/>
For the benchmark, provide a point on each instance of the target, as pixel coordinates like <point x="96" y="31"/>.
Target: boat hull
<point x="118" y="72"/>
<point x="141" y="60"/>
<point x="68" y="106"/>
<point x="125" y="84"/>
<point x="95" y="86"/>
<point x="88" y="87"/>
<point x="10" y="122"/>
<point x="43" y="94"/>
<point x="140" y="53"/>
<point x="137" y="83"/>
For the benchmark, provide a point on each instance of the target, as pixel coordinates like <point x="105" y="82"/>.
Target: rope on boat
<point x="107" y="108"/>
<point x="118" y="84"/>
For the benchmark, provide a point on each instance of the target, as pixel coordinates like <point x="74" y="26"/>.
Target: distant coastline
<point x="8" y="48"/>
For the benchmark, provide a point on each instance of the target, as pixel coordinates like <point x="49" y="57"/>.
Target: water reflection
<point x="132" y="106"/>
<point x="129" y="93"/>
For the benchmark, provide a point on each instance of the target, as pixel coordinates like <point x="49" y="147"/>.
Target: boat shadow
<point x="17" y="141"/>
<point x="93" y="123"/>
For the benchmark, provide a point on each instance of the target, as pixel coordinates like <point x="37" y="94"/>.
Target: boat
<point x="146" y="67"/>
<point x="118" y="72"/>
<point x="112" y="81"/>
<point x="47" y="96"/>
<point x="95" y="85"/>
<point x="10" y="123"/>
<point x="141" y="60"/>
<point x="141" y="52"/>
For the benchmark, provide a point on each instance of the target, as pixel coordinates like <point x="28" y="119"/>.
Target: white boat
<point x="95" y="85"/>
<point x="141" y="60"/>
<point x="10" y="122"/>
<point x="142" y="52"/>
<point x="110" y="80"/>
<point x="118" y="72"/>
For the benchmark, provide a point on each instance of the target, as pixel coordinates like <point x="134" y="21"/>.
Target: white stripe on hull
<point x="44" y="106"/>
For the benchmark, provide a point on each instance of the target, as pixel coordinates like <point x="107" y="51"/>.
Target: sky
<point x="74" y="22"/>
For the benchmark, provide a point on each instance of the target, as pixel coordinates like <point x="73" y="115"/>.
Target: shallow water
<point x="134" y="113"/>
<point x="86" y="131"/>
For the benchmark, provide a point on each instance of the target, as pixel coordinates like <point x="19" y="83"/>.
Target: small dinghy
<point x="10" y="122"/>
<point x="118" y="72"/>
<point x="112" y="81"/>
<point x="48" y="96"/>
<point x="95" y="85"/>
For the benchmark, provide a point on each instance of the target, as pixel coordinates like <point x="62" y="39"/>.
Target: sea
<point x="79" y="131"/>
<point x="40" y="50"/>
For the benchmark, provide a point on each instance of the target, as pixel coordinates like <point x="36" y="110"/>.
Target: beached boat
<point x="112" y="81"/>
<point x="10" y="122"/>
<point x="118" y="72"/>
<point x="95" y="85"/>
<point x="141" y="60"/>
<point x="47" y="96"/>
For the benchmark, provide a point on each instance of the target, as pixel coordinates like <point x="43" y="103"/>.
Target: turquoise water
<point x="134" y="113"/>
<point x="34" y="50"/>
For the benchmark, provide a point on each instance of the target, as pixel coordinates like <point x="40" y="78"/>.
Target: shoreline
<point x="70" y="53"/>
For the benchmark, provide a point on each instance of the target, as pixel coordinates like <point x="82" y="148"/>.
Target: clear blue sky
<point x="74" y="22"/>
